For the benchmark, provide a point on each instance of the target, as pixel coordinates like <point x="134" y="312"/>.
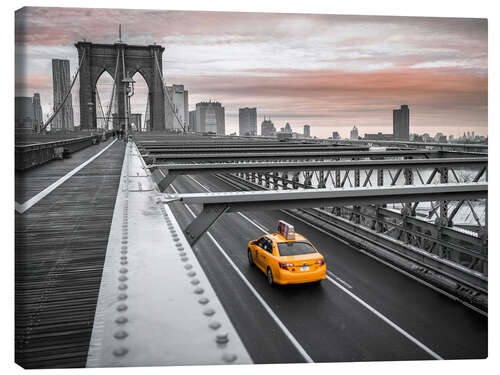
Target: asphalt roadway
<point x="364" y="311"/>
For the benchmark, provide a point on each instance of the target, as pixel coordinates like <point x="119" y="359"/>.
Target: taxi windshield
<point x="294" y="248"/>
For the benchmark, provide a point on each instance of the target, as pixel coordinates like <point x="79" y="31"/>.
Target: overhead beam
<point x="308" y="198"/>
<point x="170" y="171"/>
<point x="298" y="155"/>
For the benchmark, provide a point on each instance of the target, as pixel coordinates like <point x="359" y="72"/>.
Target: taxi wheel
<point x="250" y="259"/>
<point x="270" y="279"/>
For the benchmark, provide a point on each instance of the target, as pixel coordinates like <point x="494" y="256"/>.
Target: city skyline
<point x="340" y="71"/>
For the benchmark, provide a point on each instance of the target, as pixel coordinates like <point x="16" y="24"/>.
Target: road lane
<point x="450" y="328"/>
<point x="329" y="324"/>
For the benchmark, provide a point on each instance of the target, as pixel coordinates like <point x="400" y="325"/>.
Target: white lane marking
<point x="422" y="282"/>
<point x="373" y="310"/>
<point x="339" y="279"/>
<point x="255" y="223"/>
<point x="21" y="208"/>
<point x="264" y="304"/>
<point x="385" y="319"/>
<point x="202" y="186"/>
<point x="435" y="288"/>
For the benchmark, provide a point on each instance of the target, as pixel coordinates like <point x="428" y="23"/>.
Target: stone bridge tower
<point x="115" y="58"/>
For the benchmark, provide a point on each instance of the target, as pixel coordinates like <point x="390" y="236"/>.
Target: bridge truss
<point x="441" y="236"/>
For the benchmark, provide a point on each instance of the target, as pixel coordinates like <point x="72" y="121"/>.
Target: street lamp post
<point x="129" y="92"/>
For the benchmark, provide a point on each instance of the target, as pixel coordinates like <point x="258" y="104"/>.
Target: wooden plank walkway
<point x="60" y="248"/>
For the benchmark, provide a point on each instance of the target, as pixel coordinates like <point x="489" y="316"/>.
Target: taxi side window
<point x="268" y="246"/>
<point x="260" y="243"/>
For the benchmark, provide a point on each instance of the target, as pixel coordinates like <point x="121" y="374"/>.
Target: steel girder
<point x="269" y="156"/>
<point x="170" y="171"/>
<point x="214" y="204"/>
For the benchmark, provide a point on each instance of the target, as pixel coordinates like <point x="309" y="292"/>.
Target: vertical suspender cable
<point x="166" y="94"/>
<point x="113" y="90"/>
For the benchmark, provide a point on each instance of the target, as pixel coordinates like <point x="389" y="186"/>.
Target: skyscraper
<point x="177" y="101"/>
<point x="37" y="112"/>
<point x="401" y="123"/>
<point x="354" y="133"/>
<point x="267" y="128"/>
<point x="307" y="131"/>
<point x="288" y="128"/>
<point x="192" y="120"/>
<point x="24" y="114"/>
<point x="248" y="121"/>
<point x="210" y="118"/>
<point x="61" y="84"/>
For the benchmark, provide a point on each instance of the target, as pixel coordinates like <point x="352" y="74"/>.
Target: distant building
<point x="136" y="121"/>
<point x="210" y="118"/>
<point x="354" y="133"/>
<point x="401" y="123"/>
<point x="418" y="138"/>
<point x="192" y="120"/>
<point x="426" y="137"/>
<point x="37" y="112"/>
<point x="267" y="128"/>
<point x="379" y="137"/>
<point x="248" y="121"/>
<point x="307" y="131"/>
<point x="24" y="114"/>
<point x="61" y="84"/>
<point x="451" y="138"/>
<point x="176" y="107"/>
<point x="288" y="128"/>
<point x="335" y="135"/>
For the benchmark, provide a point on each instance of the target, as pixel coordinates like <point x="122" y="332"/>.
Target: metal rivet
<point x="122" y="307"/>
<point x="209" y="312"/>
<point x="229" y="357"/>
<point x="188" y="266"/>
<point x="191" y="273"/>
<point x="122" y="278"/>
<point x="124" y="242"/>
<point x="195" y="281"/>
<point x="184" y="259"/>
<point x="203" y="300"/>
<point x="183" y="253"/>
<point x="122" y="296"/>
<point x="124" y="251"/>
<point x="176" y="239"/>
<point x="120" y="335"/>
<point x="178" y="244"/>
<point x="121" y="320"/>
<point x="119" y="352"/>
<point x="180" y="248"/>
<point x="221" y="338"/>
<point x="124" y="247"/>
<point x="123" y="270"/>
<point x="214" y="325"/>
<point x="123" y="262"/>
<point x="122" y="286"/>
<point x="199" y="290"/>
<point x="123" y="257"/>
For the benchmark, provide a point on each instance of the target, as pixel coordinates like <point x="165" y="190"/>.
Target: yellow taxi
<point x="287" y="257"/>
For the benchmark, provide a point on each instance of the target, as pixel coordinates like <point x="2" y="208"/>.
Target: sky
<point x="328" y="71"/>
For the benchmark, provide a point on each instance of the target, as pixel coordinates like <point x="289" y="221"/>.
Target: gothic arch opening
<point x="138" y="103"/>
<point x="104" y="106"/>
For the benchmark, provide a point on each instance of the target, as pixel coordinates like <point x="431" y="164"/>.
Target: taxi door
<point x="266" y="255"/>
<point x="257" y="250"/>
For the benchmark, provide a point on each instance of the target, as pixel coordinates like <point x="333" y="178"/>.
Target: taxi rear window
<point x="294" y="248"/>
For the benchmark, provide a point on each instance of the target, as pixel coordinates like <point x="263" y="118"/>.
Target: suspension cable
<point x="166" y="94"/>
<point x="65" y="97"/>
<point x="113" y="90"/>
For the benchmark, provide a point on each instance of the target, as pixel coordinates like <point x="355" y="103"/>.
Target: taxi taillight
<point x="285" y="266"/>
<point x="320" y="262"/>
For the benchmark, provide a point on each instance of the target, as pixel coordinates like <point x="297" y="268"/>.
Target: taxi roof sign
<point x="286" y="230"/>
